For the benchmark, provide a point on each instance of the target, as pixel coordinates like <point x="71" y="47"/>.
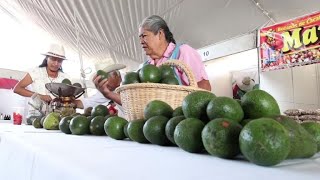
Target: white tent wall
<point x="220" y="70"/>
<point x="234" y="45"/>
<point x="297" y="87"/>
<point x="13" y="74"/>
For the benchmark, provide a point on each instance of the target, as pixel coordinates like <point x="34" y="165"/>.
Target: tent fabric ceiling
<point x="107" y="30"/>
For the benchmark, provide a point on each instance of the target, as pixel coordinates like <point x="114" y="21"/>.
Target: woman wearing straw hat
<point x="50" y="70"/>
<point x="159" y="45"/>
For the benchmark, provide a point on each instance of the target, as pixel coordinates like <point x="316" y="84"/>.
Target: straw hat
<point x="56" y="50"/>
<point x="245" y="83"/>
<point x="110" y="68"/>
<point x="107" y="69"/>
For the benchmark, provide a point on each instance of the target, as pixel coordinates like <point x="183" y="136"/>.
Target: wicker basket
<point x="135" y="97"/>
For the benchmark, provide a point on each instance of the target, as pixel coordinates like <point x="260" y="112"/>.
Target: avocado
<point x="171" y="126"/>
<point x="225" y="107"/>
<point x="87" y="111"/>
<point x="36" y="122"/>
<point x="150" y="73"/>
<point x="154" y="130"/>
<point x="314" y="129"/>
<point x="99" y="110"/>
<point x="77" y="85"/>
<point x="220" y="138"/>
<point x="264" y="142"/>
<point x="157" y="108"/>
<point x="79" y="125"/>
<point x="259" y="103"/>
<point x="113" y="127"/>
<point x="187" y="135"/>
<point x="103" y="74"/>
<point x="66" y="81"/>
<point x="64" y="124"/>
<point x="302" y="143"/>
<point x="194" y="105"/>
<point x="166" y="71"/>
<point x="177" y="111"/>
<point x="51" y="122"/>
<point x="135" y="131"/>
<point x="131" y="78"/>
<point x="170" y="80"/>
<point x="97" y="126"/>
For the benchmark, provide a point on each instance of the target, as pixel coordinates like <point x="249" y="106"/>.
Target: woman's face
<point x="54" y="63"/>
<point x="150" y="42"/>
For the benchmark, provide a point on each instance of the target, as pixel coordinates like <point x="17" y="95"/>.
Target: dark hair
<point x="45" y="63"/>
<point x="155" y="23"/>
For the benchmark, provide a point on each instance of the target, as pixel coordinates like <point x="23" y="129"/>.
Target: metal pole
<point x="82" y="73"/>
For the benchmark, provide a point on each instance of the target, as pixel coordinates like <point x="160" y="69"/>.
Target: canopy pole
<point x="82" y="73"/>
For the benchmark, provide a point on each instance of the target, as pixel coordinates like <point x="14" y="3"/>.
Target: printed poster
<point x="292" y="43"/>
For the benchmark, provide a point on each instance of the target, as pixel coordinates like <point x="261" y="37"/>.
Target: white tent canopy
<point x="106" y="31"/>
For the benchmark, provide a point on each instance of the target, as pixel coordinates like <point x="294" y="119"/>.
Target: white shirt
<point x="94" y="100"/>
<point x="97" y="99"/>
<point x="39" y="78"/>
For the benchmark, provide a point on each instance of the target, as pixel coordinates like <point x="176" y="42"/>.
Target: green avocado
<point x="103" y="74"/>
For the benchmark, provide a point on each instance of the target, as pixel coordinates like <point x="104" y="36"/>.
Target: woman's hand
<point x="45" y="98"/>
<point x="204" y="84"/>
<point x="101" y="85"/>
<point x="105" y="87"/>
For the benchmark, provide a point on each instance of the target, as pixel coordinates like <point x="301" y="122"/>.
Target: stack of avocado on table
<point x="220" y="126"/>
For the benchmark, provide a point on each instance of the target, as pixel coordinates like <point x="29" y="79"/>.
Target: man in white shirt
<point x="114" y="79"/>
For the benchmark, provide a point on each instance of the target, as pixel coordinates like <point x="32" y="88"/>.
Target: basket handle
<point x="185" y="68"/>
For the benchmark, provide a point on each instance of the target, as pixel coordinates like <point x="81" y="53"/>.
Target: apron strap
<point x="175" y="55"/>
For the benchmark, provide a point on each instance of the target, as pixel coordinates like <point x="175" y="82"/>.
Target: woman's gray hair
<point x="154" y="24"/>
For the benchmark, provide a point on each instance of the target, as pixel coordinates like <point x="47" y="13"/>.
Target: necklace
<point x="52" y="79"/>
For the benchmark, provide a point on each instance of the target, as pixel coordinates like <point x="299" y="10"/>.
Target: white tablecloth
<point x="27" y="153"/>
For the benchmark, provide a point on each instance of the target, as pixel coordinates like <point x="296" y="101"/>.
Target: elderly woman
<point x="159" y="45"/>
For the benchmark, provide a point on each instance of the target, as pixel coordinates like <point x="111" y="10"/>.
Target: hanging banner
<point x="292" y="43"/>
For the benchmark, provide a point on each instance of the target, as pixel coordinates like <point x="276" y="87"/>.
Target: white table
<point x="27" y="153"/>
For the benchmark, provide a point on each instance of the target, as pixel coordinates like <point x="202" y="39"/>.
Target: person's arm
<point x="191" y="57"/>
<point x="91" y="101"/>
<point x="204" y="84"/>
<point x="113" y="96"/>
<point x="20" y="88"/>
<point x="102" y="86"/>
